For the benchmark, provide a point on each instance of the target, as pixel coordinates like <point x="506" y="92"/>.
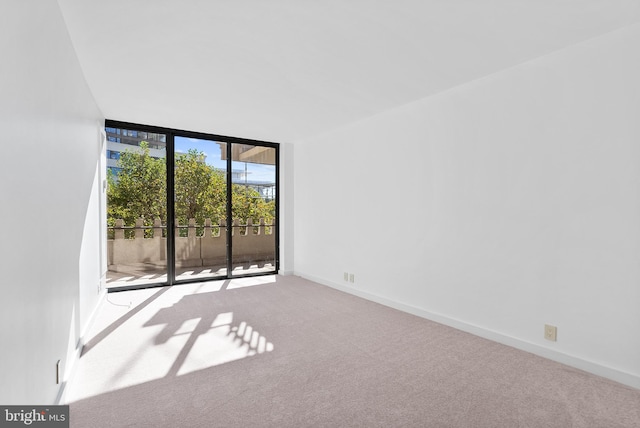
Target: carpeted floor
<point x="286" y="352"/>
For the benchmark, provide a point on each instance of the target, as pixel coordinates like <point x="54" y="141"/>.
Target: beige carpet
<point x="285" y="352"/>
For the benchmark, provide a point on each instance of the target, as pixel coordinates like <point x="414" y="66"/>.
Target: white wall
<point x="50" y="192"/>
<point x="497" y="206"/>
<point x="286" y="212"/>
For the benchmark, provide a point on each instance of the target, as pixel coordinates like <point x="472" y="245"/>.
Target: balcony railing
<point x="195" y="244"/>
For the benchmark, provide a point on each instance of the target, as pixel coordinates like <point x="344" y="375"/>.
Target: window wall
<point x="185" y="206"/>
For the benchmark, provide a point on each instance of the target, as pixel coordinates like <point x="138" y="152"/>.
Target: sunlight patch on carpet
<point x="222" y="343"/>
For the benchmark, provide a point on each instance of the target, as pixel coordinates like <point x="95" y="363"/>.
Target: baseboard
<point x="73" y="359"/>
<point x="285" y="272"/>
<point x="619" y="376"/>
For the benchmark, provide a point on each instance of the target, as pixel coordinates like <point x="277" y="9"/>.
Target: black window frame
<point x="171" y="133"/>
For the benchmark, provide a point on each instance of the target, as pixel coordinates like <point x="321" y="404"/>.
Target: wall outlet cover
<point x="550" y="332"/>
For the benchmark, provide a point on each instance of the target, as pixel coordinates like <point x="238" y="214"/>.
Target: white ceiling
<point x="284" y="70"/>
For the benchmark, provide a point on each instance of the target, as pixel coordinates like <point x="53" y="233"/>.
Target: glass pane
<point x="253" y="209"/>
<point x="136" y="211"/>
<point x="200" y="208"/>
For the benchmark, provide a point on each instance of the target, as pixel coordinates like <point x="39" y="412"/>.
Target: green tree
<point x="139" y="191"/>
<point x="200" y="189"/>
<point x="248" y="203"/>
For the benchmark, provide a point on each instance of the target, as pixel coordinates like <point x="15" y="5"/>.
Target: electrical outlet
<point x="551" y="332"/>
<point x="346" y="276"/>
<point x="352" y="278"/>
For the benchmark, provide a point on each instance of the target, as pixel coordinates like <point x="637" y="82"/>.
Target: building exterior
<point x="119" y="140"/>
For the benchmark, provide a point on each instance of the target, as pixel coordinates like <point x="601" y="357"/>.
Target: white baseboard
<point x="619" y="376"/>
<point x="73" y="358"/>
<point x="285" y="272"/>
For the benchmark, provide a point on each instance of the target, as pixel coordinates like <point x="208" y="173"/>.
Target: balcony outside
<point x="137" y="209"/>
<point x="136" y="255"/>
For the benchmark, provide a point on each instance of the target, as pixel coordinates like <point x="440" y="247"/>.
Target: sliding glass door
<point x="136" y="207"/>
<point x="186" y="206"/>
<point x="253" y="204"/>
<point x="200" y="208"/>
